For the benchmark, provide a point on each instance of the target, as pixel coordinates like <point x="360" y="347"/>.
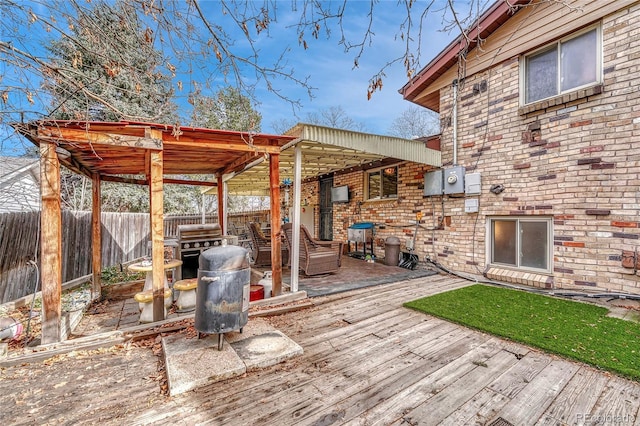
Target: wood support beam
<point x="133" y="181"/>
<point x="61" y="134"/>
<point x="186" y="142"/>
<point x="276" y="239"/>
<point x="50" y="244"/>
<point x="157" y="232"/>
<point x="96" y="237"/>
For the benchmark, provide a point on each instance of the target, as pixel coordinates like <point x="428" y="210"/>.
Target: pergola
<point x="148" y="153"/>
<point x="110" y="151"/>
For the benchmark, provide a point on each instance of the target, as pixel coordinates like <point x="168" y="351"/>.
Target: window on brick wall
<point x="382" y="183"/>
<point x="564" y="66"/>
<point x="520" y="242"/>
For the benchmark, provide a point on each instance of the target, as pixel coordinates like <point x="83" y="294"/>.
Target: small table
<point x="360" y="254"/>
<point x="148" y="281"/>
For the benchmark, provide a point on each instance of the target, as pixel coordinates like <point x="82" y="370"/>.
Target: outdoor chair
<point x="261" y="245"/>
<point x="244" y="239"/>
<point x="316" y="256"/>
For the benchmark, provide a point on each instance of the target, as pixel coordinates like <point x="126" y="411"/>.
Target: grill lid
<point x="199" y="231"/>
<point x="224" y="258"/>
<point x="362" y="225"/>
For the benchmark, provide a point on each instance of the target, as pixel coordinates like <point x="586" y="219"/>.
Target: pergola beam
<point x="61" y="134"/>
<point x="134" y="181"/>
<point x="186" y="143"/>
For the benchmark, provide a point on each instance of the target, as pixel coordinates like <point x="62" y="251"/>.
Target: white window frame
<point x="518" y="220"/>
<point x="556" y="45"/>
<point x="369" y="172"/>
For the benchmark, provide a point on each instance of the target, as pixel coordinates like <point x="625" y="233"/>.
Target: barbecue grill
<point x="222" y="296"/>
<point x="193" y="240"/>
<point x="360" y="232"/>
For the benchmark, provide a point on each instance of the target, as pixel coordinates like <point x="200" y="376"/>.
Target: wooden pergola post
<point x="50" y="244"/>
<point x="221" y="212"/>
<point x="276" y="241"/>
<point x="157" y="227"/>
<point x="96" y="237"/>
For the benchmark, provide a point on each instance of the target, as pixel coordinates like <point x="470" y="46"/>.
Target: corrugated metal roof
<point x="326" y="150"/>
<point x="385" y="146"/>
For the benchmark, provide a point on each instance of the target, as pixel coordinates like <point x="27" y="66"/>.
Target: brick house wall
<point x="393" y="217"/>
<point x="577" y="162"/>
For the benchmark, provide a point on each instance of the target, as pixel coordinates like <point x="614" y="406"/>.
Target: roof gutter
<point x="479" y="29"/>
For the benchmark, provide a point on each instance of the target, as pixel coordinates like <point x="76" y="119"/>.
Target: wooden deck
<point x="367" y="361"/>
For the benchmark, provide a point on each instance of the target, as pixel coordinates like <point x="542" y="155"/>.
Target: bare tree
<point x="333" y="116"/>
<point x="204" y="43"/>
<point x="227" y="110"/>
<point x="336" y="117"/>
<point x="415" y="122"/>
<point x="281" y="125"/>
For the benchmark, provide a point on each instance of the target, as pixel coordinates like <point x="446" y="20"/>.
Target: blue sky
<point x="331" y="71"/>
<point x="329" y="68"/>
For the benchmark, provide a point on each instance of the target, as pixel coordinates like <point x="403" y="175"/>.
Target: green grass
<point x="574" y="330"/>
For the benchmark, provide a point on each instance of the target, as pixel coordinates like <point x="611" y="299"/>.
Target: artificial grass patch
<point x="575" y="330"/>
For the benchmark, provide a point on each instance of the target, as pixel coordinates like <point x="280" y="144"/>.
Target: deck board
<point x="530" y="403"/>
<point x="577" y="399"/>
<point x="619" y="401"/>
<point x="367" y="360"/>
<point x="444" y="403"/>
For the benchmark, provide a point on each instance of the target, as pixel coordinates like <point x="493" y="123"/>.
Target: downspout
<point x="454" y="119"/>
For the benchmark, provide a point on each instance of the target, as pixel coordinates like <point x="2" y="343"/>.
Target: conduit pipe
<point x="454" y="119"/>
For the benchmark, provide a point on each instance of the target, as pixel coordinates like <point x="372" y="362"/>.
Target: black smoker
<point x="222" y="296"/>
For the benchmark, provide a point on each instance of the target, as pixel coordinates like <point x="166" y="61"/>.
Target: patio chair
<point x="244" y="239"/>
<point x="261" y="246"/>
<point x="316" y="257"/>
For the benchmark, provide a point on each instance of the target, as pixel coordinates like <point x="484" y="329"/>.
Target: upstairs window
<point x="382" y="183"/>
<point x="563" y="66"/>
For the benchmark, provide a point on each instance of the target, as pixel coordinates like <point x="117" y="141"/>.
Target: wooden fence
<point x="124" y="238"/>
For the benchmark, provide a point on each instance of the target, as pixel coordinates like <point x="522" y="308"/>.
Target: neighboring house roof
<point x="19" y="184"/>
<point x="12" y="165"/>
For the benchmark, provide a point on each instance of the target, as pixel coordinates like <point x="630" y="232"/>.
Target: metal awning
<point x="327" y="150"/>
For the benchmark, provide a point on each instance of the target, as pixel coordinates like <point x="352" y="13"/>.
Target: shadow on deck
<point x="354" y="274"/>
<point x="122" y="312"/>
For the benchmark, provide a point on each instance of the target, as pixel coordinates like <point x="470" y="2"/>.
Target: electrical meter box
<point x="454" y="180"/>
<point x="472" y="184"/>
<point x="433" y="183"/>
<point x="471" y="205"/>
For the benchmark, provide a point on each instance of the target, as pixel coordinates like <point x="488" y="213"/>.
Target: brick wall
<point x="394" y="217"/>
<point x="577" y="162"/>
